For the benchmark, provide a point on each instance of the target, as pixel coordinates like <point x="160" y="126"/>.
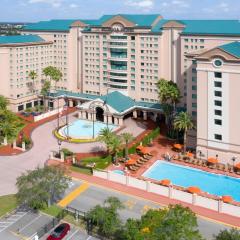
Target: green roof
<point x="118" y="101"/>
<point x="20" y="39"/>
<point x="232" y="48"/>
<point x="204" y="27"/>
<point x="141" y="20"/>
<point x="76" y="95"/>
<point x="213" y="27"/>
<point x="55" y="25"/>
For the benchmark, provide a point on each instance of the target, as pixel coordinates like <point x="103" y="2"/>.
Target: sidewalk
<point x="27" y="131"/>
<point x="161" y="200"/>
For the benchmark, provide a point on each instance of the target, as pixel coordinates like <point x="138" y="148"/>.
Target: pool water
<point x="83" y="129"/>
<point x="119" y="172"/>
<point x="186" y="176"/>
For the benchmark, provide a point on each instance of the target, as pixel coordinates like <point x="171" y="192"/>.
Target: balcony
<point x="118" y="45"/>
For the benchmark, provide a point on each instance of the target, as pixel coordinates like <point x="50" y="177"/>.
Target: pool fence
<point x="170" y="192"/>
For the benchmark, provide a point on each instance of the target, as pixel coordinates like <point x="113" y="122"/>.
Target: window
<point x="217" y="84"/>
<point x="218" y="74"/>
<point x="194" y="96"/>
<point x="218" y="93"/>
<point x="218" y="112"/>
<point x="194" y="113"/>
<point x="194" y="87"/>
<point x="218" y="121"/>
<point x="194" y="105"/>
<point x="218" y="103"/>
<point x="218" y="137"/>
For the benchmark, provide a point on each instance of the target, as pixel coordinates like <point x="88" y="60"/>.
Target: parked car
<point x="59" y="232"/>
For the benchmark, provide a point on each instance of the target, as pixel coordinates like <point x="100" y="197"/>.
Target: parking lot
<point x="26" y="225"/>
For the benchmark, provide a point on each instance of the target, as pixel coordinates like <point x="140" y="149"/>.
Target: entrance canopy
<point x="117" y="103"/>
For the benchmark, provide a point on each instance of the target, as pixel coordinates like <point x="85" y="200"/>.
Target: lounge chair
<point x="147" y="157"/>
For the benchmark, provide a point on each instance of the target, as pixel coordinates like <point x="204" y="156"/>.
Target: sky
<point x="36" y="10"/>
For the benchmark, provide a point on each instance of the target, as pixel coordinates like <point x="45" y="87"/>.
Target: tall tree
<point x="172" y="223"/>
<point x="183" y="122"/>
<point x="114" y="146"/>
<point x="52" y="73"/>
<point x="105" y="136"/>
<point x="169" y="96"/>
<point x="45" y="91"/>
<point x="40" y="187"/>
<point x="33" y="75"/>
<point x="127" y="138"/>
<point x="105" y="218"/>
<point x="232" y="234"/>
<point x="3" y="102"/>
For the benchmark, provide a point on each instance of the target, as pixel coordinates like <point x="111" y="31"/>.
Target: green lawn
<point x="7" y="204"/>
<point x="101" y="162"/>
<point x="81" y="170"/>
<point x="53" y="210"/>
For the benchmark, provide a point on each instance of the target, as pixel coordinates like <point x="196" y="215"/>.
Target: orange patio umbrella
<point x="178" y="146"/>
<point x="227" y="199"/>
<point x="194" y="189"/>
<point x="131" y="161"/>
<point x="139" y="147"/>
<point x="237" y="166"/>
<point x="144" y="150"/>
<point x="189" y="154"/>
<point x="165" y="182"/>
<point x="212" y="160"/>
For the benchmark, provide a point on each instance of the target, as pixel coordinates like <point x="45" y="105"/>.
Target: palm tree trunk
<point x="126" y="151"/>
<point x="185" y="141"/>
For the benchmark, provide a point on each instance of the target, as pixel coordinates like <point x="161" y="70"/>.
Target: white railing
<point x="47" y="114"/>
<point x="170" y="192"/>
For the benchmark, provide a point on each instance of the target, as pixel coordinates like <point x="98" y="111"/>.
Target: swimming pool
<point x="119" y="172"/>
<point x="83" y="129"/>
<point x="186" y="176"/>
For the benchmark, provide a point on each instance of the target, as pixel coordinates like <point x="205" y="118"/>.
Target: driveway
<point x="43" y="143"/>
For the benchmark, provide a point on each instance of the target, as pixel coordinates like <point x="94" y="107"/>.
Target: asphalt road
<point x="134" y="207"/>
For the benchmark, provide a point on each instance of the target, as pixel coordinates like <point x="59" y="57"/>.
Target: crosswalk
<point x="13" y="217"/>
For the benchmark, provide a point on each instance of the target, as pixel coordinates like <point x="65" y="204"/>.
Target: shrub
<point x="67" y="152"/>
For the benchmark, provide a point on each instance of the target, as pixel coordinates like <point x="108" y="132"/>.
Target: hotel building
<point x="129" y="54"/>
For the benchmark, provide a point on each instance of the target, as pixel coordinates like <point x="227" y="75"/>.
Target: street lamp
<point x="92" y="107"/>
<point x="59" y="146"/>
<point x="234" y="159"/>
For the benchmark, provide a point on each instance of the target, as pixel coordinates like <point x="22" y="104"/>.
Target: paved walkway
<point x="43" y="143"/>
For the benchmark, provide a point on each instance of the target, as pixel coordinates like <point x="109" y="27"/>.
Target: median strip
<point x="74" y="194"/>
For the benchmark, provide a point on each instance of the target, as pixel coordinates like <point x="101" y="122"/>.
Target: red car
<point x="59" y="232"/>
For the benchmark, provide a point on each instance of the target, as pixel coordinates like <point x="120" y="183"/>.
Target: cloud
<point x="53" y="3"/>
<point x="73" y="5"/>
<point x="222" y="7"/>
<point x="175" y="4"/>
<point x="144" y="4"/>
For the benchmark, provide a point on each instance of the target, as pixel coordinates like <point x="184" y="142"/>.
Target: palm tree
<point x="169" y="96"/>
<point x="127" y="137"/>
<point x="105" y="136"/>
<point x="44" y="91"/>
<point x="33" y="75"/>
<point x="52" y="73"/>
<point x="3" y="103"/>
<point x="114" y="146"/>
<point x="183" y="122"/>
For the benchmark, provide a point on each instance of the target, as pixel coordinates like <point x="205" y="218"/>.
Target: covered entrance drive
<point x="99" y="114"/>
<point x="114" y="107"/>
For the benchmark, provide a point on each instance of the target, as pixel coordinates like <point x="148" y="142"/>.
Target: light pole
<point x="59" y="146"/>
<point x="92" y="107"/>
<point x="234" y="159"/>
